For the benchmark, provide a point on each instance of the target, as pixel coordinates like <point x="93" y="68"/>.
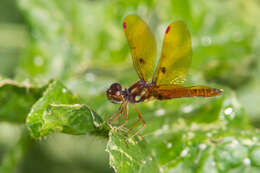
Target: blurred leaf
<point x="16" y="100"/>
<point x="58" y="110"/>
<point x="13" y="157"/>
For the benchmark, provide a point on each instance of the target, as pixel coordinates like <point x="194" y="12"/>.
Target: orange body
<point x="193" y="91"/>
<point x="166" y="82"/>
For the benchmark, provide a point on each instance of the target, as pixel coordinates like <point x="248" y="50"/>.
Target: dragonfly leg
<point x="125" y="108"/>
<point x="120" y="110"/>
<point x="126" y="115"/>
<point x="140" y="119"/>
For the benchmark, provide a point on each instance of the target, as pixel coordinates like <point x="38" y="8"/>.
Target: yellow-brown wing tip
<point x="179" y="24"/>
<point x="130" y="20"/>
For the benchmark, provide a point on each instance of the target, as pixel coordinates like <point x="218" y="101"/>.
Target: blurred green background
<point x="81" y="42"/>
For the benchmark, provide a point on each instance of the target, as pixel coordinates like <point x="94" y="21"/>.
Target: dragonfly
<point x="163" y="82"/>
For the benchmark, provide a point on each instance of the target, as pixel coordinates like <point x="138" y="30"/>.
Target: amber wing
<point x="176" y="56"/>
<point x="142" y="44"/>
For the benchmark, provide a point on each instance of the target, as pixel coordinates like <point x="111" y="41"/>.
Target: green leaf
<point x="16" y="100"/>
<point x="130" y="155"/>
<point x="14" y="156"/>
<point x="211" y="136"/>
<point x="58" y="110"/>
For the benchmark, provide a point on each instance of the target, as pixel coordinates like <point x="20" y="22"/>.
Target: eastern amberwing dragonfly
<point x="166" y="81"/>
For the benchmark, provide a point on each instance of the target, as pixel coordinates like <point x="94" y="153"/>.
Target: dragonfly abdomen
<point x="194" y="91"/>
<point x="202" y="91"/>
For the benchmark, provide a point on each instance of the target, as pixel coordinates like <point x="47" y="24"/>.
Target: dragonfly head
<point x="114" y="93"/>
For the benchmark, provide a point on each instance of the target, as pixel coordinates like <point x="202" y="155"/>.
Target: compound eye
<point x="116" y="86"/>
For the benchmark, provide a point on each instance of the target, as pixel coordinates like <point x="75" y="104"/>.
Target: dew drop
<point x="255" y="139"/>
<point x="203" y="146"/>
<point x="90" y="77"/>
<point x="247" y="161"/>
<point x="161" y="170"/>
<point x="209" y="135"/>
<point x="234" y="142"/>
<point x="158" y="132"/>
<point x="184" y="152"/>
<point x="38" y="61"/>
<point x="64" y="90"/>
<point x="165" y="127"/>
<point x="213" y="163"/>
<point x="187" y="109"/>
<point x="228" y="111"/>
<point x="160" y="112"/>
<point x="206" y="41"/>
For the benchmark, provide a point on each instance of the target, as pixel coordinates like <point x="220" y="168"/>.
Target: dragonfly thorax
<point x="138" y="92"/>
